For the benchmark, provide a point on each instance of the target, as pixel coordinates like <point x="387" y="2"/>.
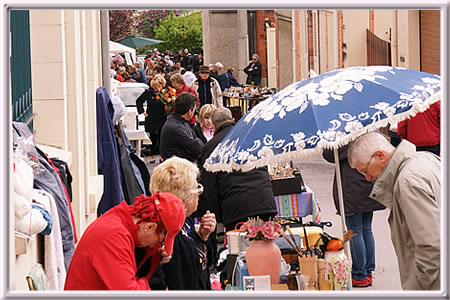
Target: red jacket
<point x="190" y="90"/>
<point x="424" y="129"/>
<point x="104" y="257"/>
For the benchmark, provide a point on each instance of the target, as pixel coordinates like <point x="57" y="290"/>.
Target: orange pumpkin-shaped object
<point x="334" y="245"/>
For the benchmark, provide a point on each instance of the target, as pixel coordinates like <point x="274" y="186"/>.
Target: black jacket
<point x="155" y="111"/>
<point x="237" y="195"/>
<point x="179" y="139"/>
<point x="188" y="268"/>
<point x="255" y="74"/>
<point x="355" y="188"/>
<point x="199" y="133"/>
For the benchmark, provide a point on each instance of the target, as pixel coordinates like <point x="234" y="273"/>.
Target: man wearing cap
<point x="104" y="258"/>
<point x="207" y="88"/>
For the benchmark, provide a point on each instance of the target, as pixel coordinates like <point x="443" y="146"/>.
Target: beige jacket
<point x="410" y="186"/>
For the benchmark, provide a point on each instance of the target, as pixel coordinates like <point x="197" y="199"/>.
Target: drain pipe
<point x="335" y="40"/>
<point x="294" y="46"/>
<point x="104" y="25"/>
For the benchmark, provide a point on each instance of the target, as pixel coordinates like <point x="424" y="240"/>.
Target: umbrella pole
<point x="341" y="209"/>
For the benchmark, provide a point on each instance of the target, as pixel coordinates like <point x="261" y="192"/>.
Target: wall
<point x="355" y="24"/>
<point x="48" y="78"/>
<point x="327" y="41"/>
<point x="221" y="45"/>
<point x="66" y="71"/>
<point x="285" y="67"/>
<point x="408" y="33"/>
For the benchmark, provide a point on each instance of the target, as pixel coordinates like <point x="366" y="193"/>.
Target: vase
<point x="264" y="258"/>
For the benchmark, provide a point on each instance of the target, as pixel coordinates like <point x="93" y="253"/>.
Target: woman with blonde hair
<point x="155" y="115"/>
<point x="188" y="268"/>
<point x="204" y="128"/>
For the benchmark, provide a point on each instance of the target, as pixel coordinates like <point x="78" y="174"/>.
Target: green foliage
<point x="179" y="32"/>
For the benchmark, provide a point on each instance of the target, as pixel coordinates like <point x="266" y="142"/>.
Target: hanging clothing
<point x="139" y="167"/>
<point x="65" y="175"/>
<point x="48" y="180"/>
<point x="57" y="170"/>
<point x="53" y="250"/>
<point x="107" y="154"/>
<point x="130" y="184"/>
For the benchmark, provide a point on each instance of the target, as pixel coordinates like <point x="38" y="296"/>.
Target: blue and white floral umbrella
<point x="325" y="111"/>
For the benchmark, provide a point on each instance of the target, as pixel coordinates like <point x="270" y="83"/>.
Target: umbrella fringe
<point x="288" y="156"/>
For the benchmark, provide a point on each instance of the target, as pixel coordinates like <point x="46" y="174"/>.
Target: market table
<point x="245" y="103"/>
<point x="137" y="136"/>
<point x="298" y="205"/>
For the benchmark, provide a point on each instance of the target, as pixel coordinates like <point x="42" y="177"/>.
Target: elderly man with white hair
<point x="408" y="182"/>
<point x="214" y="72"/>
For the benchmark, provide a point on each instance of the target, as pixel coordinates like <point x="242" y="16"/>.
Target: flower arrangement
<point x="258" y="229"/>
<point x="167" y="97"/>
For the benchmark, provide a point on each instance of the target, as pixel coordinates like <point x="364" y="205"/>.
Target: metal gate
<point x="21" y="67"/>
<point x="378" y="50"/>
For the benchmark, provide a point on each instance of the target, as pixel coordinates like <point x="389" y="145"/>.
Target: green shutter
<point x="21" y="67"/>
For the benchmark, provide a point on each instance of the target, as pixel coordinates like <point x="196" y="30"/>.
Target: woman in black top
<point x="188" y="269"/>
<point x="155" y="114"/>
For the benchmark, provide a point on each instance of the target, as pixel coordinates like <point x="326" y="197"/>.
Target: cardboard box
<point x="279" y="287"/>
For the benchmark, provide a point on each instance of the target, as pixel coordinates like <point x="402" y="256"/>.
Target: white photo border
<point x="5" y="184"/>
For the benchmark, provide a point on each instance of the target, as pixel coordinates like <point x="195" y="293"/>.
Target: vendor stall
<point x="293" y="254"/>
<point x="241" y="99"/>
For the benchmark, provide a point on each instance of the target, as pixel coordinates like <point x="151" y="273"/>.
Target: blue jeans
<point x="362" y="245"/>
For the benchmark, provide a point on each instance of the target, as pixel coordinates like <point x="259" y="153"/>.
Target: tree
<point x="121" y="23"/>
<point x="179" y="32"/>
<point x="148" y="20"/>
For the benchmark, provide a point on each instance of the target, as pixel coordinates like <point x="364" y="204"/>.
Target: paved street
<point x="318" y="175"/>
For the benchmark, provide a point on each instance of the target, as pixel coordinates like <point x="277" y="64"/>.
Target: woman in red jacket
<point x="180" y="86"/>
<point x="104" y="258"/>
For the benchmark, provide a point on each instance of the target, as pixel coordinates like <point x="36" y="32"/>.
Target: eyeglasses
<point x="366" y="169"/>
<point x="198" y="190"/>
<point x="204" y="72"/>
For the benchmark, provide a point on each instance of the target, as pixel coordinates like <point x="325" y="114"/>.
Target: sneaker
<point x="360" y="283"/>
<point x="369" y="279"/>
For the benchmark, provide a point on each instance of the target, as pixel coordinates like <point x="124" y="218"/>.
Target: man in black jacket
<point x="235" y="196"/>
<point x="253" y="70"/>
<point x="177" y="136"/>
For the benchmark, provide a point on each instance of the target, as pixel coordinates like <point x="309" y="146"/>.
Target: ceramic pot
<point x="264" y="258"/>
